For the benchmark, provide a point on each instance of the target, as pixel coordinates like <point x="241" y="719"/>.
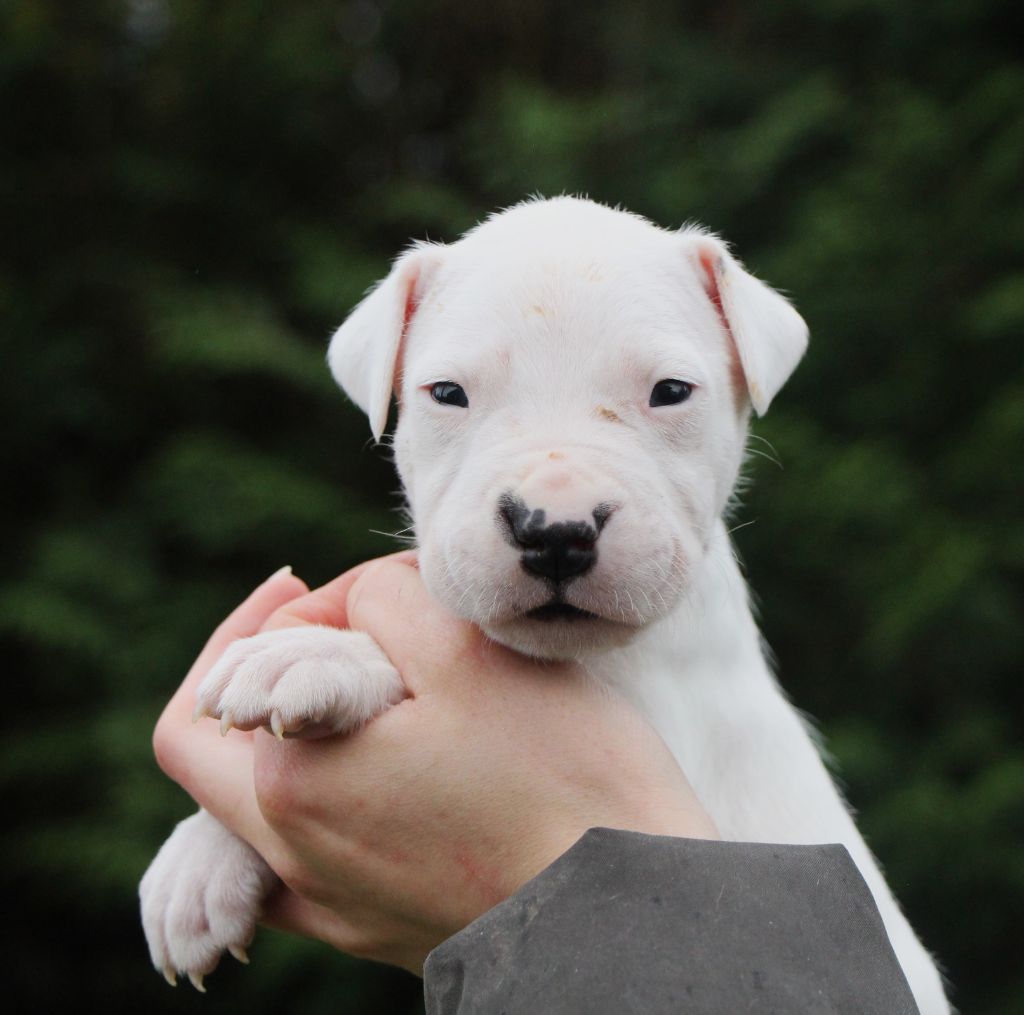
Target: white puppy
<point x="575" y="387"/>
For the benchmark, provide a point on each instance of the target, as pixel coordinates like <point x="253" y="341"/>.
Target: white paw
<point x="300" y="676"/>
<point x="200" y="897"/>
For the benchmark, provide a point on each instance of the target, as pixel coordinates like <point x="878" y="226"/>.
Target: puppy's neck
<point x="710" y="634"/>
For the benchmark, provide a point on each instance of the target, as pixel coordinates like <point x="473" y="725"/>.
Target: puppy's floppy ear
<point x="769" y="335"/>
<point x="365" y="351"/>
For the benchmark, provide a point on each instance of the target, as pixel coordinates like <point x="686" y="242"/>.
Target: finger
<point x="349" y="930"/>
<point x="216" y="771"/>
<point x="281" y="587"/>
<point x="286" y="911"/>
<point x="390" y="602"/>
<point x="219" y="779"/>
<point x="245" y="619"/>
<point x="328" y="604"/>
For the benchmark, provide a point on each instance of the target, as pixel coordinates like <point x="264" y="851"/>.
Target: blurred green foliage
<point x="193" y="194"/>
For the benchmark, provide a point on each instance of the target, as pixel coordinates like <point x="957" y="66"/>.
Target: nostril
<point x="558" y="551"/>
<point x="565" y="553"/>
<point x="602" y="513"/>
<point x="522" y="526"/>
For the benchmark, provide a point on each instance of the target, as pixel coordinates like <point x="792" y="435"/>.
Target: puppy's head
<point x="574" y="385"/>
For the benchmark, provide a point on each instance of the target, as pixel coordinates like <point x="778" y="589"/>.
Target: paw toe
<point x="202" y="896"/>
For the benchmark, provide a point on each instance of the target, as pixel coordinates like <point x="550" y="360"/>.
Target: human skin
<point x="392" y="838"/>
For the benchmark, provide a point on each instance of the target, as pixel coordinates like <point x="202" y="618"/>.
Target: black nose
<point x="559" y="551"/>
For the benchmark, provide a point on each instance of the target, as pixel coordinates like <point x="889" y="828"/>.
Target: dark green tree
<point x="193" y="194"/>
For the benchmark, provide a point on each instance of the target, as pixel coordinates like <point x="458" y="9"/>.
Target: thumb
<point x="390" y="603"/>
<point x="328" y="605"/>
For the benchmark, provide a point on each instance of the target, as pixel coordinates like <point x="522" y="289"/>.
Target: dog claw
<point x="276" y="724"/>
<point x="226" y="722"/>
<point x="239" y="953"/>
<point x="197" y="981"/>
<point x="170" y="976"/>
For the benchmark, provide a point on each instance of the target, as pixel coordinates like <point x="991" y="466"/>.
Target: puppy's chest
<point x="743" y="747"/>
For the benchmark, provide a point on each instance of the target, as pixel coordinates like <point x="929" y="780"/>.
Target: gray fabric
<point x="626" y="923"/>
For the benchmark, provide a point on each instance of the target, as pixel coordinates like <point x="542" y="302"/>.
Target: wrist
<point x="674" y="815"/>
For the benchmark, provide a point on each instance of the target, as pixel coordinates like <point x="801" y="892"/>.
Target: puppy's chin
<point x="561" y="639"/>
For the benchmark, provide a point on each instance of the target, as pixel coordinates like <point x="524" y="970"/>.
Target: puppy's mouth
<point x="556" y="610"/>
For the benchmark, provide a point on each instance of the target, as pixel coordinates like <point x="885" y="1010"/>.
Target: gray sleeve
<point x="628" y="923"/>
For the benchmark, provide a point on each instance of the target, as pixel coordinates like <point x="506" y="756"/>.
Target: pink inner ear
<point x="708" y="260"/>
<point x="713" y="264"/>
<point x="411" y="302"/>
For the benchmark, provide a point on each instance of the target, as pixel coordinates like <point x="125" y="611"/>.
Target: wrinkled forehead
<point x="560" y="307"/>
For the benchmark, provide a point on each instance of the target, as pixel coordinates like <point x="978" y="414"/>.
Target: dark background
<point x="193" y="194"/>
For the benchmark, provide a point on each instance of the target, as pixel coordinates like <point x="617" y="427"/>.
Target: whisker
<point x="742" y="525"/>
<point x="773" y="457"/>
<point x="395" y="535"/>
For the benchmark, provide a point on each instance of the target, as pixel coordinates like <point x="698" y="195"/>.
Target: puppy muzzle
<point x="556" y="552"/>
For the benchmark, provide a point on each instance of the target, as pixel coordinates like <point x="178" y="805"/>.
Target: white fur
<point x="300" y="676"/>
<point x="203" y="892"/>
<point x="557" y="318"/>
<point x="201" y="896"/>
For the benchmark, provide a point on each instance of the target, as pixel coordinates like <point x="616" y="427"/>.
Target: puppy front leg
<point x="300" y="677"/>
<point x="203" y="893"/>
<point x="202" y="896"/>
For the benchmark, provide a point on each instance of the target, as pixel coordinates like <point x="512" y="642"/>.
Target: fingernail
<point x="287" y="569"/>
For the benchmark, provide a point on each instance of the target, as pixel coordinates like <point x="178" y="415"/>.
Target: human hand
<point x="397" y="836"/>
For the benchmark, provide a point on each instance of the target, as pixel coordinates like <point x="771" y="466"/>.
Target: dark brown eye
<point x="449" y="393"/>
<point x="670" y="392"/>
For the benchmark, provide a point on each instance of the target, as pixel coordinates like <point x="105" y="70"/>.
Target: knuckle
<point x="357" y="596"/>
<point x="279" y="793"/>
<point x="361" y="943"/>
<point x="359" y="947"/>
<point x="167" y="747"/>
<point x="366" y="587"/>
<point x="296" y="876"/>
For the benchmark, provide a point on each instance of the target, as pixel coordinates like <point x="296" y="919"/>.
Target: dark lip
<point x="560" y="611"/>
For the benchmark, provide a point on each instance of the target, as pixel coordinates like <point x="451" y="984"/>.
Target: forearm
<point x="625" y="922"/>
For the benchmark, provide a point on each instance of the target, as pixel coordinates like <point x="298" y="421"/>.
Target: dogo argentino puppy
<point x="575" y="386"/>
